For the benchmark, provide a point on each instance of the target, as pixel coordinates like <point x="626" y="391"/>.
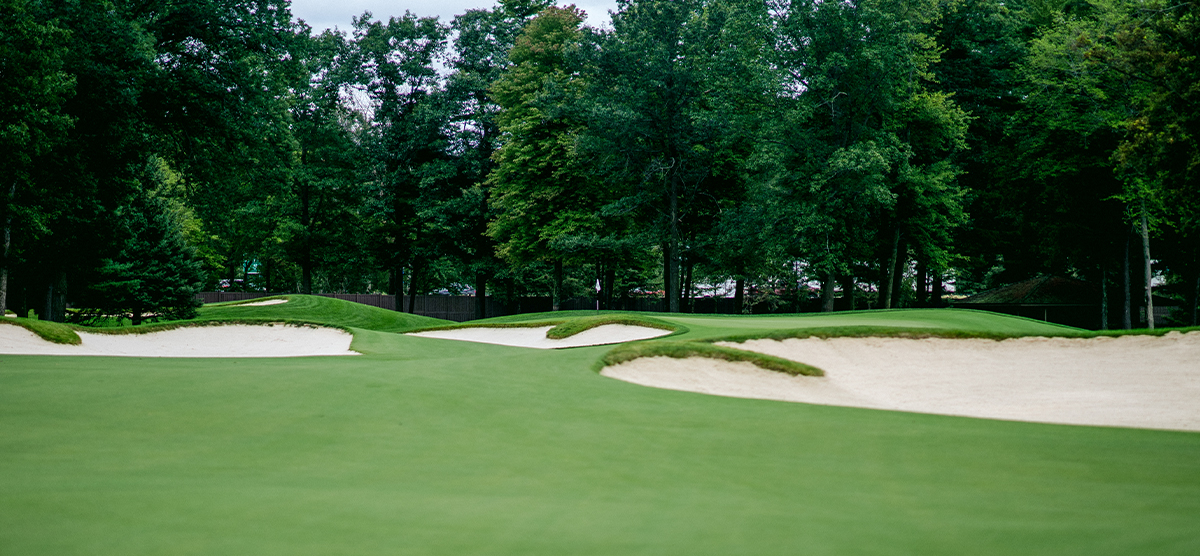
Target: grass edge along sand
<point x="566" y="327"/>
<point x="54" y="332"/>
<point x="684" y="350"/>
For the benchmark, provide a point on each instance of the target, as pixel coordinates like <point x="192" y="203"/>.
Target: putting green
<point x="427" y="446"/>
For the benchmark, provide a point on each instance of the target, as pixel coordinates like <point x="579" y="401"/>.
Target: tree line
<point x="805" y="154"/>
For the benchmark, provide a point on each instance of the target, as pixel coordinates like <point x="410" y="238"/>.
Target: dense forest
<point x="805" y="154"/>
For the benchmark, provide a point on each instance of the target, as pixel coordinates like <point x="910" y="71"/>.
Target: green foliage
<point x="540" y="195"/>
<point x="155" y="275"/>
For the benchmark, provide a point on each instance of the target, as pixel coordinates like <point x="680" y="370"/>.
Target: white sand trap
<point x="1128" y="381"/>
<point x="536" y="337"/>
<point x="262" y="303"/>
<point x="196" y="341"/>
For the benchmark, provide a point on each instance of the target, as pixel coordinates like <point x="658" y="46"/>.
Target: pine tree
<point x="155" y="276"/>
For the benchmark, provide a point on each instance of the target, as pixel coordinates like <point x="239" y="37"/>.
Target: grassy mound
<point x="49" y="331"/>
<point x="299" y="310"/>
<point x="565" y="323"/>
<point x="683" y="350"/>
<point x="577" y="325"/>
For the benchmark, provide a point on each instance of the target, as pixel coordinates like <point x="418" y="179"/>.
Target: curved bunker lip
<point x="1127" y="381"/>
<point x="535" y="337"/>
<point x="238" y="340"/>
<point x="261" y="303"/>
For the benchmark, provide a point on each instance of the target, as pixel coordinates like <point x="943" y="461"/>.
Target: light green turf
<point x="427" y="447"/>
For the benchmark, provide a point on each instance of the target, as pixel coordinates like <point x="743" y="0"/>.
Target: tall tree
<point x="34" y="84"/>
<point x="408" y="135"/>
<point x="859" y="156"/>
<point x="538" y="192"/>
<point x="655" y="123"/>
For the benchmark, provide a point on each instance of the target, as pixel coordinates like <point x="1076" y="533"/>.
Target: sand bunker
<point x="196" y="341"/>
<point x="1128" y="381"/>
<point x="262" y="303"/>
<point x="536" y="337"/>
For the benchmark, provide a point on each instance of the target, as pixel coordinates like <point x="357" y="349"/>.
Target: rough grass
<point x="683" y="350"/>
<point x="47" y="330"/>
<point x="866" y="331"/>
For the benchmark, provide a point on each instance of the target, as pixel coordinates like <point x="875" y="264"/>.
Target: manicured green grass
<point x="428" y="446"/>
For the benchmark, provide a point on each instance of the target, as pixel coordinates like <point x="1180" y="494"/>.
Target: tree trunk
<point x="1127" y="317"/>
<point x="936" y="289"/>
<point x="267" y="276"/>
<point x="480" y="295"/>
<point x="1196" y="301"/>
<point x="54" y="306"/>
<point x="922" y="285"/>
<point x="886" y="284"/>
<point x="1103" y="297"/>
<point x="558" y="285"/>
<point x="898" y="275"/>
<point x="827" y="292"/>
<point x="739" y="294"/>
<point x="686" y="297"/>
<point x="672" y="255"/>
<point x="610" y="283"/>
<point x="670" y="301"/>
<point x="12" y="190"/>
<point x="848" y="292"/>
<point x="412" y="288"/>
<point x="1146" y="266"/>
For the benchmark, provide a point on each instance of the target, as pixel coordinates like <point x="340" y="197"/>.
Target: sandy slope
<point x="1133" y="381"/>
<point x="196" y="341"/>
<point x="262" y="303"/>
<point x="536" y="337"/>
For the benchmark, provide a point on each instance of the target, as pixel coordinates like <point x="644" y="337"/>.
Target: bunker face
<point x="197" y="341"/>
<point x="1128" y="381"/>
<point x="262" y="303"/>
<point x="536" y="337"/>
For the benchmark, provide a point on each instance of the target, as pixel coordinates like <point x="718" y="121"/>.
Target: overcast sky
<point x="327" y="14"/>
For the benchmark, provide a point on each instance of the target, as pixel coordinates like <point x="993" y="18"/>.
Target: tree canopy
<point x="795" y="154"/>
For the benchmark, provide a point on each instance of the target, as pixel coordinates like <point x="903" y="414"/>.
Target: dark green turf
<point x="427" y="446"/>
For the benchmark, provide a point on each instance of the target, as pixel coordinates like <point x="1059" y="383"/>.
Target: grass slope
<point x="299" y="310"/>
<point x="427" y="446"/>
<point x="49" y="331"/>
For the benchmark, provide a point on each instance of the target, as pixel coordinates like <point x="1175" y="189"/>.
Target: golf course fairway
<point x="428" y="446"/>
